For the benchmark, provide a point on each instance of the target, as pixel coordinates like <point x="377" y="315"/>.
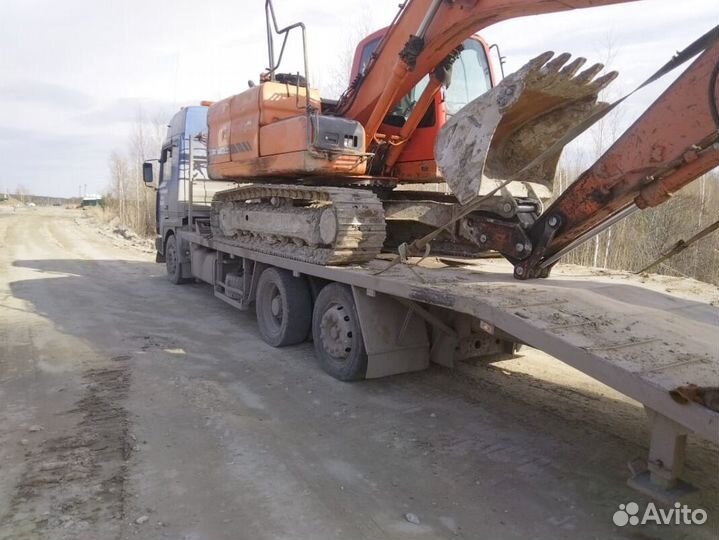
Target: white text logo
<point x="629" y="514"/>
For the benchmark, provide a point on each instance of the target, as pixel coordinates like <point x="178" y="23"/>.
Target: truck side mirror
<point x="148" y="174"/>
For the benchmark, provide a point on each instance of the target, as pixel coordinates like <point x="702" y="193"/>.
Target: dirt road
<point x="132" y="408"/>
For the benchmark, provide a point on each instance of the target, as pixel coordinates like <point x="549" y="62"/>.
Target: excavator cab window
<point x="369" y="48"/>
<point x="470" y="77"/>
<point x="405" y="106"/>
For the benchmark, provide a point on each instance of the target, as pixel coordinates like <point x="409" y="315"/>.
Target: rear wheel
<point x="172" y="261"/>
<point x="284" y="308"/>
<point x="337" y="334"/>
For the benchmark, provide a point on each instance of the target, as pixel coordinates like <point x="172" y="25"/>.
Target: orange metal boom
<point x="436" y="28"/>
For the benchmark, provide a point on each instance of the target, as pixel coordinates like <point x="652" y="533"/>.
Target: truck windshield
<point x="196" y="120"/>
<point x="195" y="124"/>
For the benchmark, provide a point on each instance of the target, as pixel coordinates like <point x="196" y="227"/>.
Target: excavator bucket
<point x="505" y="129"/>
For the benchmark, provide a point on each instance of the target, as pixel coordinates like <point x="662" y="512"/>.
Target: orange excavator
<point x="335" y="182"/>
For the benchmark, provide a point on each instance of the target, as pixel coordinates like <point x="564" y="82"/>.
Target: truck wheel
<point x="172" y="262"/>
<point x="337" y="334"/>
<point x="284" y="308"/>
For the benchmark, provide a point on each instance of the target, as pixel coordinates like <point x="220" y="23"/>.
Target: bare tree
<point x="120" y="179"/>
<point x="128" y="198"/>
<point x="21" y="192"/>
<point x="339" y="73"/>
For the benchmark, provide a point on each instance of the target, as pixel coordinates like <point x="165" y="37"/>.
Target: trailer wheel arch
<point x="316" y="286"/>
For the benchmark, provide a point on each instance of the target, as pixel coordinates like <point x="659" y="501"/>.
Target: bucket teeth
<point x="571" y="68"/>
<point x="503" y="130"/>
<point x="589" y="73"/>
<point x="553" y="66"/>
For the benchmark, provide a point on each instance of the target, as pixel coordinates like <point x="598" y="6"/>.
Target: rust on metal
<point x="703" y="395"/>
<point x="506" y="237"/>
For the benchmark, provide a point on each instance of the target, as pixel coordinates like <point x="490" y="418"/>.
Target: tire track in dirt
<point x="74" y="485"/>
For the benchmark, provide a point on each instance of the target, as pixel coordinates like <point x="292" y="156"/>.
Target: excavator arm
<point x="673" y="143"/>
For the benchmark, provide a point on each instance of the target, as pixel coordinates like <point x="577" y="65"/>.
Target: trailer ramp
<point x="622" y="330"/>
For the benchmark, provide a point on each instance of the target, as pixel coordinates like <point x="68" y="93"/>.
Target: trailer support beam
<point x="660" y="477"/>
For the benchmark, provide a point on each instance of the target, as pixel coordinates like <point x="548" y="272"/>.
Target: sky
<point x="76" y="75"/>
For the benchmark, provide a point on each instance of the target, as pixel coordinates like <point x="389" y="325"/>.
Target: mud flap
<point x="505" y="129"/>
<point x="396" y="340"/>
<point x="185" y="258"/>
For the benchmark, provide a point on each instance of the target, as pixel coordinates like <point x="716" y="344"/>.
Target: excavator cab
<point x="472" y="76"/>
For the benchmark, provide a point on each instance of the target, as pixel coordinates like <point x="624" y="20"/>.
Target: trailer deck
<point x="629" y="335"/>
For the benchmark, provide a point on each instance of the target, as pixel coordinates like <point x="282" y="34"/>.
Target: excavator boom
<point x="425" y="33"/>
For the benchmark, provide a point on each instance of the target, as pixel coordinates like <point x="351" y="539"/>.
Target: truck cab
<point x="176" y="189"/>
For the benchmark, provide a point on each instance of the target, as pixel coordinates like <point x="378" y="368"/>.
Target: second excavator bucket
<point x="505" y="129"/>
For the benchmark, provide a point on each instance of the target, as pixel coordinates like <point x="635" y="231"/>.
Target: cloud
<point x="126" y="110"/>
<point x="54" y="164"/>
<point x="11" y="133"/>
<point x="45" y="93"/>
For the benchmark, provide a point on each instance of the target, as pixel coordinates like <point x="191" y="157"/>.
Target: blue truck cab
<point x="176" y="189"/>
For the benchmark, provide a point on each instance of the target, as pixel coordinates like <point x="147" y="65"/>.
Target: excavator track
<point x="318" y="225"/>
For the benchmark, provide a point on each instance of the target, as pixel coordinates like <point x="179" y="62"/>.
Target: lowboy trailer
<point x="368" y="323"/>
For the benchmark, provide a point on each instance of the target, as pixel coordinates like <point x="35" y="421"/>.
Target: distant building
<point x="91" y="200"/>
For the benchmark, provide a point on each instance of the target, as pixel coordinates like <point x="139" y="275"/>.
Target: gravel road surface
<point x="133" y="408"/>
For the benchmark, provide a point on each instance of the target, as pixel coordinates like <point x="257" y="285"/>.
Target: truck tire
<point x="172" y="261"/>
<point x="284" y="308"/>
<point x="337" y="334"/>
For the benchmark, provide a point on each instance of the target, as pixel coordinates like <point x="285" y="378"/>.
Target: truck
<point x="342" y="258"/>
